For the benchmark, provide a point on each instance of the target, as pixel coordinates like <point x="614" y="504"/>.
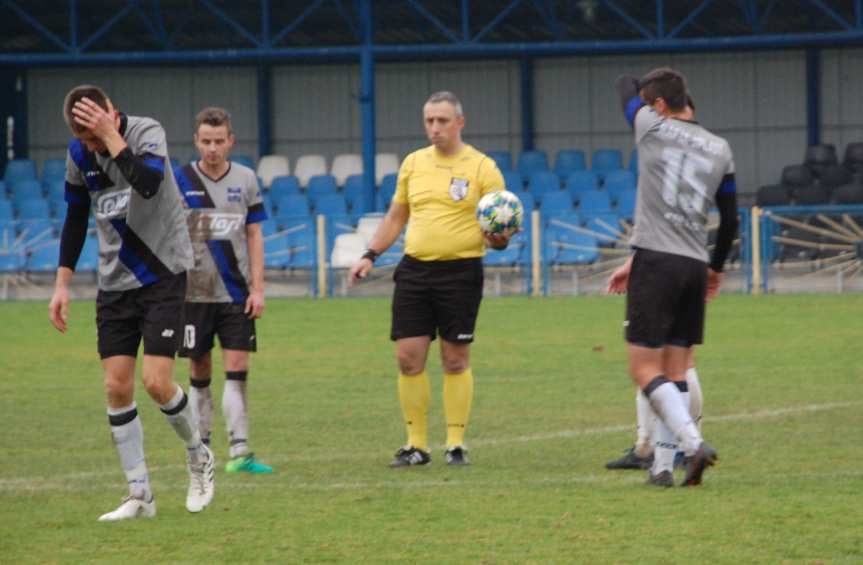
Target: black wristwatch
<point x="371" y="255"/>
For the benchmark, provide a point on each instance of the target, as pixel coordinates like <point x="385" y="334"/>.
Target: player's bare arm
<point x="386" y="234"/>
<point x="618" y="282"/>
<point x="255" y="302"/>
<point x="58" y="308"/>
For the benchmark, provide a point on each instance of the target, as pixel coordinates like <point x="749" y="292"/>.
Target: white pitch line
<point x="33" y="484"/>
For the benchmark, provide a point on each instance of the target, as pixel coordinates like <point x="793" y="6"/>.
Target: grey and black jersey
<point x="681" y="168"/>
<point x="141" y="240"/>
<point x="217" y="213"/>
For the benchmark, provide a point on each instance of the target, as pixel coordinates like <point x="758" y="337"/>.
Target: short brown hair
<point x="667" y="84"/>
<point x="213" y="116"/>
<point x="94" y="93"/>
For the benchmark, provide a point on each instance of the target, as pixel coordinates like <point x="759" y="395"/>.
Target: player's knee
<point x="119" y="387"/>
<point x="409" y="362"/>
<point x="455" y="364"/>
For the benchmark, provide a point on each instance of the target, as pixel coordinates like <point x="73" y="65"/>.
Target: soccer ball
<point x="499" y="211"/>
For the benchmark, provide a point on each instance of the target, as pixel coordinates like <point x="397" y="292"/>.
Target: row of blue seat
<point x="566" y="162"/>
<point x="55" y="169"/>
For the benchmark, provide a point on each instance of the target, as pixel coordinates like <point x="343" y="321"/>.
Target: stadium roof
<point x="34" y="32"/>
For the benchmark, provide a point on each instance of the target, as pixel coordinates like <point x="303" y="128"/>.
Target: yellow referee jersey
<point x="441" y="194"/>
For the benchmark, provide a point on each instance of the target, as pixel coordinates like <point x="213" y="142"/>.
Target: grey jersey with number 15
<point x="680" y="168"/>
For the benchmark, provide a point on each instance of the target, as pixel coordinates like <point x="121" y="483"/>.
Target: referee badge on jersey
<point x="458" y="188"/>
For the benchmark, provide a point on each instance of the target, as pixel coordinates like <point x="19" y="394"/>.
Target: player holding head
<point x="116" y="166"/>
<point x="439" y="281"/>
<point x="640" y="455"/>
<point x="683" y="169"/>
<point x="226" y="287"/>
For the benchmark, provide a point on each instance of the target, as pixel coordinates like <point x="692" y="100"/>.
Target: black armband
<point x="371" y="255"/>
<point x="73" y="235"/>
<point x="727" y="204"/>
<point x="145" y="179"/>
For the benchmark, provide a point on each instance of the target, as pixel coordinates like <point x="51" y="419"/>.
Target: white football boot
<point x="131" y="508"/>
<point x="201" y="483"/>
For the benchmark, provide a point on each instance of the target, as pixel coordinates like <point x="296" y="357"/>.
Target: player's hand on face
<point x="359" y="270"/>
<point x="255" y="305"/>
<point x="91" y="116"/>
<point x="498" y="240"/>
<point x="714" y="281"/>
<point x="58" y="309"/>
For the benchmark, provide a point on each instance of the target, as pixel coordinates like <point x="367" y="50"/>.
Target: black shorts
<point x="202" y="321"/>
<point x="436" y="297"/>
<point x="154" y="312"/>
<point x="665" y="300"/>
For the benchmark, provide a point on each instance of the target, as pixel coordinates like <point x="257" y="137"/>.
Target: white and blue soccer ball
<point x="499" y="211"/>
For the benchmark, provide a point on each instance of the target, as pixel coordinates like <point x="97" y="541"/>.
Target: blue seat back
<point x="502" y="158"/>
<point x="593" y="202"/>
<point x="530" y="162"/>
<point x="606" y="160"/>
<point x="542" y="182"/>
<point x="568" y="161"/>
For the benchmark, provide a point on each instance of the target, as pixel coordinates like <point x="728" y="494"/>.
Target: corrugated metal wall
<point x="755" y="99"/>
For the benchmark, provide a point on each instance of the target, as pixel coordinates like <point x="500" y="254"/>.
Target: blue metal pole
<point x="367" y="104"/>
<point x="813" y="98"/>
<point x="73" y="26"/>
<point x="527" y="105"/>
<point x="265" y="96"/>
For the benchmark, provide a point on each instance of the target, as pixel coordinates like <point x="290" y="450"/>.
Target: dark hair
<point x="667" y="84"/>
<point x="94" y="93"/>
<point x="213" y="116"/>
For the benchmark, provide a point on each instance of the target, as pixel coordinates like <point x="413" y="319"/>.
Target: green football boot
<point x="247" y="464"/>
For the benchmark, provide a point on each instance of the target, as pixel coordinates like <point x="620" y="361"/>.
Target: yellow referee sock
<point x="415" y="395"/>
<point x="457" y="398"/>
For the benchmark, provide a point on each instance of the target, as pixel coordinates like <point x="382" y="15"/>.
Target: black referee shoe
<point x="457" y="456"/>
<point x="408" y="456"/>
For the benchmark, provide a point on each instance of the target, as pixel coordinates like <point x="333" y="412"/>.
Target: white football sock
<point x="181" y="415"/>
<point x="201" y="398"/>
<point x="234" y="409"/>
<point x="646" y="420"/>
<point x="128" y="435"/>
<point x="667" y="402"/>
<point x="664" y="449"/>
<point x="696" y="400"/>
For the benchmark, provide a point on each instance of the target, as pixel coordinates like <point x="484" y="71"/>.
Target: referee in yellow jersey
<point x="438" y="283"/>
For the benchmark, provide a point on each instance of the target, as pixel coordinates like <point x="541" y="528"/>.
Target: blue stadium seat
<point x="568" y="161"/>
<point x="12" y="261"/>
<point x="392" y="255"/>
<point x="386" y="192"/>
<point x="626" y="203"/>
<point x="530" y="162"/>
<point x="55" y="189"/>
<point x="292" y="205"/>
<point x="513" y="181"/>
<point x="6" y="213"/>
<point x="542" y="182"/>
<point x="593" y="202"/>
<point x="577" y="249"/>
<point x="554" y="203"/>
<point x="44" y="258"/>
<point x="277" y="253"/>
<point x="19" y="169"/>
<point x="579" y="181"/>
<point x="354" y="191"/>
<point x="38" y="229"/>
<point x="19" y="191"/>
<point x="53" y="169"/>
<point x="503" y="160"/>
<point x="34" y="209"/>
<point x="606" y="160"/>
<point x="528" y="202"/>
<point x="508" y="257"/>
<point x="58" y="209"/>
<point x="633" y="162"/>
<point x="269" y="227"/>
<point x="244" y="160"/>
<point x="607" y="225"/>
<point x="88" y="262"/>
<point x="321" y="184"/>
<point x="284" y="185"/>
<point x="331" y="205"/>
<point x="617" y="182"/>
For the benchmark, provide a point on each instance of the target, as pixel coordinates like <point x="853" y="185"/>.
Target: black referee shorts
<point x="665" y="300"/>
<point x="153" y="312"/>
<point x="436" y="297"/>
<point x="202" y="321"/>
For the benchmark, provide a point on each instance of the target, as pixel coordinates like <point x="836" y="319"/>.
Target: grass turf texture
<point x="783" y="403"/>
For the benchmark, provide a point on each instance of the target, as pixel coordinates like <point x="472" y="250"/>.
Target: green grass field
<point x="783" y="386"/>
